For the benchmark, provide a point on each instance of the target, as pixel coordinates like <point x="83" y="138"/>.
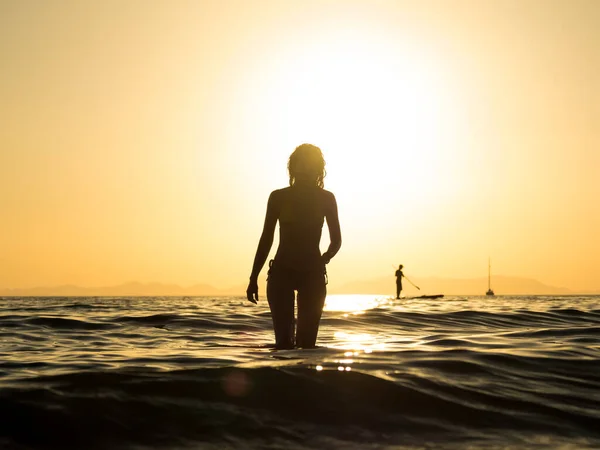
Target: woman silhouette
<point x="298" y="264"/>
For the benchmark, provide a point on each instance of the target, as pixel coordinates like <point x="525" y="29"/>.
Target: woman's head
<point x="307" y="164"/>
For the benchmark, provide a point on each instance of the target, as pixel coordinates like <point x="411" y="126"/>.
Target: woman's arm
<point x="264" y="246"/>
<point x="333" y="223"/>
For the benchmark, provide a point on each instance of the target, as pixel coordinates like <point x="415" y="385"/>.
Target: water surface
<point x="200" y="372"/>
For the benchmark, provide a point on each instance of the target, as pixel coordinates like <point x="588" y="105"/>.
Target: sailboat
<point x="489" y="291"/>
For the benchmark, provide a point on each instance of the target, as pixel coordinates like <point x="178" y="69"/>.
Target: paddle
<point x="412" y="283"/>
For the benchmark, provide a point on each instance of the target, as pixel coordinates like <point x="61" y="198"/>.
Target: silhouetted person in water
<point x="399" y="276"/>
<point x="298" y="264"/>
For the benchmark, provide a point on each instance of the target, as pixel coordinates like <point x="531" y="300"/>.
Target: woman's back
<point x="301" y="213"/>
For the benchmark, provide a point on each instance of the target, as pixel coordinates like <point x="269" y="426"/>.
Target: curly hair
<point x="311" y="157"/>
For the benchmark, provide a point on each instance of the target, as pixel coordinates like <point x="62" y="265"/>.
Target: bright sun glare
<point x="380" y="114"/>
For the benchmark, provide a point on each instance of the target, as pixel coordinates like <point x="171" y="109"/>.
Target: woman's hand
<point x="252" y="292"/>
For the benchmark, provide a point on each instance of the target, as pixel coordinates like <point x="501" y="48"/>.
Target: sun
<point x="380" y="112"/>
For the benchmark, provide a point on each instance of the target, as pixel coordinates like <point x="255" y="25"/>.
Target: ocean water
<point x="200" y="372"/>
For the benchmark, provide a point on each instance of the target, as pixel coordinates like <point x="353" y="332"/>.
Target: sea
<point x="460" y="372"/>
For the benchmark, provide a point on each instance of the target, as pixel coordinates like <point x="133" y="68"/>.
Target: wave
<point x="225" y="406"/>
<point x="66" y="323"/>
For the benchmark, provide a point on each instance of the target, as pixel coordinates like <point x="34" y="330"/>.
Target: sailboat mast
<point x="489" y="291"/>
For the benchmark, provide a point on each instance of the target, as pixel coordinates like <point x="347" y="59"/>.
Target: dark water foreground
<point x="172" y="373"/>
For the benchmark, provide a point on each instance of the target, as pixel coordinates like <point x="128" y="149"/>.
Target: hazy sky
<point x="140" y="139"/>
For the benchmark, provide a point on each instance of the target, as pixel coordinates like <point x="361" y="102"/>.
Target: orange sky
<point x="140" y="140"/>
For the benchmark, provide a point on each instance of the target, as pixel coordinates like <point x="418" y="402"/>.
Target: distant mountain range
<point x="127" y="289"/>
<point x="502" y="285"/>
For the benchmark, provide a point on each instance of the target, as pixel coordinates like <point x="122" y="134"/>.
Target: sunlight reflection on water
<point x="355" y="303"/>
<point x="354" y="342"/>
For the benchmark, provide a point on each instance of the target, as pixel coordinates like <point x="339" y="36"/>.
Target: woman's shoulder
<point x="279" y="192"/>
<point x="328" y="197"/>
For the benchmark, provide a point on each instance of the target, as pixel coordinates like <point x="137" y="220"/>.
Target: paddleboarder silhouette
<point x="399" y="276"/>
<point x="298" y="265"/>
